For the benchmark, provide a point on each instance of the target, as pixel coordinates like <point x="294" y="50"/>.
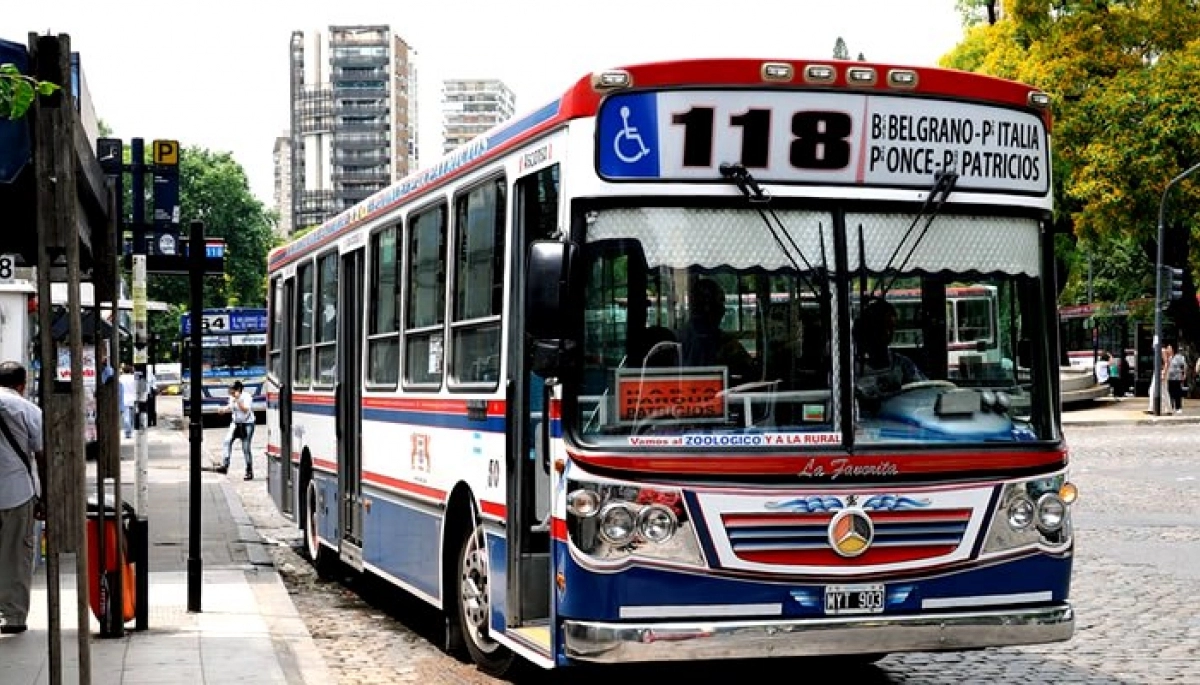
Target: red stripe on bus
<point x="493" y="509"/>
<point x="820" y="467"/>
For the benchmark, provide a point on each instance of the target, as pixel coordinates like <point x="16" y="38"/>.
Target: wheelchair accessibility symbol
<point x="628" y="144"/>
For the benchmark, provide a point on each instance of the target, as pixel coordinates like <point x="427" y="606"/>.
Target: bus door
<point x="530" y="573"/>
<point x="286" y="333"/>
<point x="348" y="405"/>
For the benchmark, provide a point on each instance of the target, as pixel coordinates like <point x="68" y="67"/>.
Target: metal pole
<point x="1156" y="401"/>
<point x="196" y="266"/>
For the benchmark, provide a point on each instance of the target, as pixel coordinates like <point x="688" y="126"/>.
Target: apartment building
<point x="282" y="158"/>
<point x="353" y="118"/>
<point x="471" y="107"/>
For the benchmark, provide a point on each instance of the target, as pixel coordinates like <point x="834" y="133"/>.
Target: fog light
<point x="1068" y="493"/>
<point x="617" y="524"/>
<point x="656" y="523"/>
<point x="1020" y="513"/>
<point x="583" y="503"/>
<point x="1051" y="512"/>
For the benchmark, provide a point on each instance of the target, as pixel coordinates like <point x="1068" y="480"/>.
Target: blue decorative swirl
<point x="893" y="502"/>
<point x="808" y="505"/>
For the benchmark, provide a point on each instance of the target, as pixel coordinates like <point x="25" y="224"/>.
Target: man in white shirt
<point x="20" y="483"/>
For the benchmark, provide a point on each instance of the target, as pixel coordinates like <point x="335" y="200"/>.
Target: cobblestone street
<point x="1137" y="573"/>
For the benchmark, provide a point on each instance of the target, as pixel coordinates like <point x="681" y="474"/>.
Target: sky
<point x="214" y="73"/>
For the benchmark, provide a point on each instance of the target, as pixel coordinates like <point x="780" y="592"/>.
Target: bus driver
<point x="880" y="371"/>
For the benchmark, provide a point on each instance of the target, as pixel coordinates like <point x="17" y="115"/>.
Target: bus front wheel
<point x="474" y="606"/>
<point x="318" y="554"/>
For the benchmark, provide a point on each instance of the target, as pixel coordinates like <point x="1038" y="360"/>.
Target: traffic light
<point x="1174" y="282"/>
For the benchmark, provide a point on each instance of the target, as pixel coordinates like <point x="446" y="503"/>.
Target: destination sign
<point x="821" y="137"/>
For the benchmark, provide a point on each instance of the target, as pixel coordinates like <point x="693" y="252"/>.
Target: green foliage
<point x="17" y="91"/>
<point x="1126" y="120"/>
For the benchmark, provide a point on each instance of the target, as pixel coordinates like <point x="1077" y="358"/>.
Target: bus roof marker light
<point x="1039" y="99"/>
<point x="819" y="73"/>
<point x="616" y="79"/>
<point x="778" y="72"/>
<point x="860" y="76"/>
<point x="902" y="78"/>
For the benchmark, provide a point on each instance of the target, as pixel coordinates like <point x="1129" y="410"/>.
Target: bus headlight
<point x="612" y="523"/>
<point x="1051" y="512"/>
<point x="1032" y="513"/>
<point x="617" y="523"/>
<point x="1020" y="513"/>
<point x="656" y="523"/>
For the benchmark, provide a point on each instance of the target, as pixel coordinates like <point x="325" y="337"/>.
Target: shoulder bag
<point x="12" y="442"/>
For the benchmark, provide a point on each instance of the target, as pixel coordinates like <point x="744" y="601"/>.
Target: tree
<point x="840" y="51"/>
<point x="17" y="91"/>
<point x="1121" y="75"/>
<point x="213" y="189"/>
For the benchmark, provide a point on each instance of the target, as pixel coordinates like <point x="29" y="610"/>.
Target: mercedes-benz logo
<point x="851" y="532"/>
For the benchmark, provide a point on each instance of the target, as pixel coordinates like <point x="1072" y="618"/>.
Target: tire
<point x="472" y="596"/>
<point x="321" y="557"/>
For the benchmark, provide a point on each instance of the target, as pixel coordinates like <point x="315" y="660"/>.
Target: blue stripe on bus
<point x="600" y="596"/>
<point x="402" y="541"/>
<point x="398" y="539"/>
<point x="493" y="424"/>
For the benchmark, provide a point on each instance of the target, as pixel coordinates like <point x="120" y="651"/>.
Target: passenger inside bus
<point x="704" y="342"/>
<point x="658" y="349"/>
<point x="797" y="351"/>
<point x="880" y="372"/>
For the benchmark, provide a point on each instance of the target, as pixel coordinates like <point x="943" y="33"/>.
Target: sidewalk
<point x="1109" y="411"/>
<point x="248" y="630"/>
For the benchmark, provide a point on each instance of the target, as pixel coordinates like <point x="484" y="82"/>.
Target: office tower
<point x="353" y="117"/>
<point x="472" y="106"/>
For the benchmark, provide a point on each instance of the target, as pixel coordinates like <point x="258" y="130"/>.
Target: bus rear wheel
<point x="473" y="594"/>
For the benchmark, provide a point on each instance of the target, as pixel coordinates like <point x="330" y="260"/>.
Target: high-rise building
<point x="283" y="183"/>
<point x="471" y="107"/>
<point x="353" y="118"/>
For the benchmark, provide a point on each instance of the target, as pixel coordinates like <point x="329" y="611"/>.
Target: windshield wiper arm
<point x="758" y="197"/>
<point x="943" y="185"/>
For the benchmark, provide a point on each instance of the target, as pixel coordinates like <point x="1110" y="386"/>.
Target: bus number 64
<point x="820" y="139"/>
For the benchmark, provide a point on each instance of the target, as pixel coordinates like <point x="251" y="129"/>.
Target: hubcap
<point x="474" y="591"/>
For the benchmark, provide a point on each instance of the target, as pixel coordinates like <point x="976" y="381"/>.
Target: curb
<point x="1148" y="421"/>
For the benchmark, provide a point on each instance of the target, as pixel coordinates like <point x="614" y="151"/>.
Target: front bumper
<point x="624" y="642"/>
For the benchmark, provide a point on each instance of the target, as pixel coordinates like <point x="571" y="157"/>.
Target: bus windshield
<point x="701" y="329"/>
<point x="221" y="358"/>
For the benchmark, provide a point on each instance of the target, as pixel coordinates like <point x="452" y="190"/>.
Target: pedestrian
<point x="128" y="398"/>
<point x="1176" y="373"/>
<point x="151" y="396"/>
<point x="1158" y="386"/>
<point x="1101" y="370"/>
<point x="241" y="426"/>
<point x="22" y="471"/>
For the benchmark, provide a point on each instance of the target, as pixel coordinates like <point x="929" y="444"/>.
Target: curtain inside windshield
<point x="701" y="328"/>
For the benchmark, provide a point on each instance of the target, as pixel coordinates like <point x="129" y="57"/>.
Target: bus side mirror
<point x="549" y="280"/>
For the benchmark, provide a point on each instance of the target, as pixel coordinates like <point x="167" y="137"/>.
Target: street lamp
<point x="1156" y="400"/>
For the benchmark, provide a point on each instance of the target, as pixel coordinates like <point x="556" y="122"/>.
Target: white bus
<point x="590" y="384"/>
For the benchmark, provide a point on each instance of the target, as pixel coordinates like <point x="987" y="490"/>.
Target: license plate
<point x="841" y="600"/>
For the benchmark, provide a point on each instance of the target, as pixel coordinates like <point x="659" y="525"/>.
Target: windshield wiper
<point x="943" y="185"/>
<point x="759" y="199"/>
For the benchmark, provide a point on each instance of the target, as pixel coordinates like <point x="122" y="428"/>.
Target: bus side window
<point x="478" y="285"/>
